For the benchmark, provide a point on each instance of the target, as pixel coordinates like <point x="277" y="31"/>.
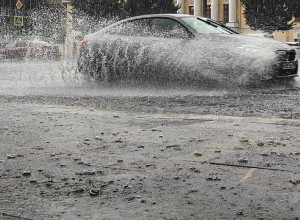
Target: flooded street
<point x="149" y="110"/>
<point x="69" y="150"/>
<point x="37" y="77"/>
<point x="61" y="78"/>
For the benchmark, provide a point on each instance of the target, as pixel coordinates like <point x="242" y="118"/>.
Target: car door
<point x="139" y="50"/>
<point x="116" y="49"/>
<point x="169" y="48"/>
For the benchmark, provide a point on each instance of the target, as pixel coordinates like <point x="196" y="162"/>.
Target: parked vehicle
<point x="162" y="47"/>
<point x="30" y="49"/>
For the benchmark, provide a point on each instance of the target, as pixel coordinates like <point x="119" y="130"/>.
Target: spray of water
<point x="165" y="61"/>
<point x="185" y="64"/>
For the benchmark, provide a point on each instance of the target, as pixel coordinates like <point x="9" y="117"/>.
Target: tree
<point x="295" y="4"/>
<point x="271" y="15"/>
<point x="99" y="8"/>
<point x="41" y="20"/>
<point x="91" y="15"/>
<point x="47" y="23"/>
<point x="141" y="7"/>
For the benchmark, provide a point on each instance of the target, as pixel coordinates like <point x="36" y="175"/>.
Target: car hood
<point x="243" y="41"/>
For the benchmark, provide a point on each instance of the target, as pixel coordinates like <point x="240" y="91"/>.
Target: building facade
<point x="230" y="13"/>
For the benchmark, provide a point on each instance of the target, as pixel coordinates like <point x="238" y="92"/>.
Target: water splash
<point x="183" y="66"/>
<point x="177" y="61"/>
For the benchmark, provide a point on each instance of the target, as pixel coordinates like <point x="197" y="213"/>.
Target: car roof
<point x="175" y="16"/>
<point x="161" y="15"/>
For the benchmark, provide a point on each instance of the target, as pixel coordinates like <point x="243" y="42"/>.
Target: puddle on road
<point x="61" y="78"/>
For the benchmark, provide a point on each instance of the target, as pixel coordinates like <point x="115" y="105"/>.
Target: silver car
<point x="164" y="48"/>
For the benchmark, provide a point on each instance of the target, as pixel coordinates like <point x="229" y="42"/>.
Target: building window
<point x="225" y="13"/>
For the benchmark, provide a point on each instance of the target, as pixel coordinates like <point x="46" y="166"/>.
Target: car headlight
<point x="286" y="55"/>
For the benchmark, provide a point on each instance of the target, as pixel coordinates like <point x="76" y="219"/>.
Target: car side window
<point x="131" y="28"/>
<point x="167" y="28"/>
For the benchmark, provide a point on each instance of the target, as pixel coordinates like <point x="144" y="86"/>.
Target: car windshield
<point x="201" y="26"/>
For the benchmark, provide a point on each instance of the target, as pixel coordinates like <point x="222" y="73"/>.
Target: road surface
<point x="71" y="151"/>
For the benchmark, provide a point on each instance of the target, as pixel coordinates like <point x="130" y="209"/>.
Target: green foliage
<point x="141" y="7"/>
<point x="294" y="4"/>
<point x="41" y="20"/>
<point x="47" y="23"/>
<point x="91" y="15"/>
<point x="271" y="15"/>
<point x="124" y="8"/>
<point x="99" y="8"/>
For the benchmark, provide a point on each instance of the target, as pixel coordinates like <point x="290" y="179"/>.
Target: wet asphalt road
<point x="61" y="78"/>
<point x="71" y="151"/>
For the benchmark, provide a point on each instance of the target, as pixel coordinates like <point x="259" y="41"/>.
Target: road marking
<point x="248" y="174"/>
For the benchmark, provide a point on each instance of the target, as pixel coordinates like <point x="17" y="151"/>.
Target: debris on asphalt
<point x="33" y="181"/>
<point x="260" y="143"/>
<point x="190" y="163"/>
<point x="197" y="154"/>
<point x="215" y="178"/>
<point x="243" y="160"/>
<point x="244" y="140"/>
<point x="118" y="140"/>
<point x="294" y="181"/>
<point x="94" y="192"/>
<point x="26" y="173"/>
<point x="98" y="138"/>
<point x="194" y="169"/>
<point x="11" y="156"/>
<point x="240" y="213"/>
<point x="172" y="146"/>
<point x="87" y="172"/>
